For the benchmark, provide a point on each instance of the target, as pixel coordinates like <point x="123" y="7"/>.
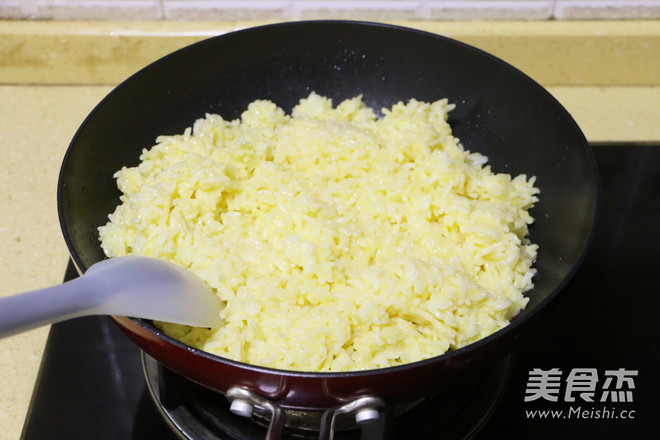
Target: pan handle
<point x="243" y="401"/>
<point x="367" y="410"/>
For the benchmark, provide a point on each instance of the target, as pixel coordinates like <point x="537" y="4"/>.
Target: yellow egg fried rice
<point x="336" y="239"/>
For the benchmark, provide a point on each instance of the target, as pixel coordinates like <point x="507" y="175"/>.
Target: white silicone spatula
<point x="141" y="287"/>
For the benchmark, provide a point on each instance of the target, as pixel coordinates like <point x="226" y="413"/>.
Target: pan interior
<point x="500" y="113"/>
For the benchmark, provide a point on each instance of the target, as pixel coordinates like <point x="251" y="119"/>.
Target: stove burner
<point x="195" y="412"/>
<point x="90" y="384"/>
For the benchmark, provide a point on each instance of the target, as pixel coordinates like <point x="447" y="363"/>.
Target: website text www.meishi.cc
<point x="580" y="412"/>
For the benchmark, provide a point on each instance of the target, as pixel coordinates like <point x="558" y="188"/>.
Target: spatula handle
<point x="29" y="310"/>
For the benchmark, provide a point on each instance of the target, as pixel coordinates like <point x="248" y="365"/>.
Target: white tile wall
<point x="319" y="9"/>
<point x="81" y="9"/>
<point x="606" y="10"/>
<point x="223" y="10"/>
<point x="489" y="10"/>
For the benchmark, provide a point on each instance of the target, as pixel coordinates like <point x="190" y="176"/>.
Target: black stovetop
<point x="605" y="327"/>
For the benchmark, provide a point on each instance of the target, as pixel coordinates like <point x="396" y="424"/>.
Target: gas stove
<point x="590" y="370"/>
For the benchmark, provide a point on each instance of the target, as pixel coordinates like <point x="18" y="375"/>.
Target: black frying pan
<point x="500" y="112"/>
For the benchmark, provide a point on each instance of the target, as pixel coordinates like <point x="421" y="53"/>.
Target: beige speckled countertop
<point x="607" y="74"/>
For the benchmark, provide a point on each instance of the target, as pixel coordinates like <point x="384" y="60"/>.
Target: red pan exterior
<point x="310" y="390"/>
<point x="500" y="112"/>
